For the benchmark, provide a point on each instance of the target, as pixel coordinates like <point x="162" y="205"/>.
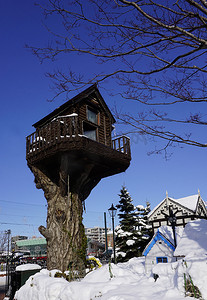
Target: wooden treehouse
<point x="69" y="153"/>
<point x="73" y="145"/>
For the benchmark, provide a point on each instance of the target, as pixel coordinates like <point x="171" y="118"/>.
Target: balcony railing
<point x="63" y="129"/>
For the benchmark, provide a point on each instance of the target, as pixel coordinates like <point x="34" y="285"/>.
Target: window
<point x="89" y="131"/>
<point x="91" y="134"/>
<point x="161" y="260"/>
<point x="92" y="116"/>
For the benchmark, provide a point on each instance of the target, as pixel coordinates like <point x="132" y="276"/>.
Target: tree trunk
<point x="65" y="235"/>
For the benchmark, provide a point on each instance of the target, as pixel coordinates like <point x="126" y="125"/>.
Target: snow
<point x="26" y="267"/>
<point x="121" y="253"/>
<point x="140" y="207"/>
<point x="130" y="242"/>
<point x="194" y="240"/>
<point x="2" y="278"/>
<point x="129" y="282"/>
<point x="189" y="202"/>
<point x="168" y="233"/>
<point x="122" y="233"/>
<point x="65" y="116"/>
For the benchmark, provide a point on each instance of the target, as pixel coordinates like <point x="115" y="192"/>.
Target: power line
<point x="21" y="203"/>
<point x="22" y="224"/>
<point x="23" y="216"/>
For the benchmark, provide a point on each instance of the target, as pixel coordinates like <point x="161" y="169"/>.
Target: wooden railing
<point x="122" y="144"/>
<point x="58" y="130"/>
<point x="63" y="129"/>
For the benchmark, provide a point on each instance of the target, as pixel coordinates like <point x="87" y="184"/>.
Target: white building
<point x="96" y="234"/>
<point x="184" y="210"/>
<point x="192" y="242"/>
<point x="161" y="247"/>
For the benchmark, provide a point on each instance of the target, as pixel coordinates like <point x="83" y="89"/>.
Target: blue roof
<point x="158" y="236"/>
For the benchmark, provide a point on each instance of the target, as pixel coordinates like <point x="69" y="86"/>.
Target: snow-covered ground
<point x="2" y="278"/>
<point x="129" y="282"/>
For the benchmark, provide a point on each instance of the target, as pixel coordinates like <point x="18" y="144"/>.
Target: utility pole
<point x="106" y="239"/>
<point x="8" y="232"/>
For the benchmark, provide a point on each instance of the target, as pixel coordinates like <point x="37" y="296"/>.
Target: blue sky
<point x="24" y="94"/>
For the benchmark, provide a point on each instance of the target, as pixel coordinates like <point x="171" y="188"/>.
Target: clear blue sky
<point x="24" y="94"/>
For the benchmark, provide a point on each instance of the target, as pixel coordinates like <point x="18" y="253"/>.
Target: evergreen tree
<point x="144" y="229"/>
<point x="127" y="236"/>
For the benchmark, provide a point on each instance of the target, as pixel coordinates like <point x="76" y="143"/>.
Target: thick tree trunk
<point x="65" y="235"/>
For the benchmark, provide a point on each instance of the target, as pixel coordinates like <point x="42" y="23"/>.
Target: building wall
<point x="96" y="234"/>
<point x="16" y="238"/>
<point x="37" y="247"/>
<point x="159" y="249"/>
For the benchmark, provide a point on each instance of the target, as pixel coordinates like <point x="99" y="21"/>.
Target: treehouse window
<point x="89" y="131"/>
<point x="92" y="116"/>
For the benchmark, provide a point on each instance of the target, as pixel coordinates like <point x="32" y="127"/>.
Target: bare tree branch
<point x="153" y="51"/>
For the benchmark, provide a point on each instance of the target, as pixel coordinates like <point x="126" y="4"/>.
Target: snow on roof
<point x="189" y="202"/>
<point x="168" y="233"/>
<point x="194" y="240"/>
<point x="164" y="233"/>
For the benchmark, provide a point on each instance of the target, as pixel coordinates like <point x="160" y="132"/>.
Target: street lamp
<point x="112" y="212"/>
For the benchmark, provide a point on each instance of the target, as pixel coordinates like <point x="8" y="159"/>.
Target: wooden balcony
<point x="64" y="135"/>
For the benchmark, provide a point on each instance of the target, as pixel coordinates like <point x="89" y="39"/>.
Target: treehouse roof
<point x="82" y="97"/>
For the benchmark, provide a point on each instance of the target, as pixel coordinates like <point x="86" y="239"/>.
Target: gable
<point x="89" y="96"/>
<point x="156" y="238"/>
<point x="184" y="207"/>
<point x="201" y="208"/>
<point x="163" y="208"/>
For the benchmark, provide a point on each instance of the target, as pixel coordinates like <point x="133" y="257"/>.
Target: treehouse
<point x="73" y="144"/>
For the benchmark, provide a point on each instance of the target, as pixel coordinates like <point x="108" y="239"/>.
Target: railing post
<point x="76" y="131"/>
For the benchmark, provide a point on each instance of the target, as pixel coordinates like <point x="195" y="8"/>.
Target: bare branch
<point x="153" y="52"/>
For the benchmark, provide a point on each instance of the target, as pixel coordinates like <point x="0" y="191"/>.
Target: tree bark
<point x="65" y="235"/>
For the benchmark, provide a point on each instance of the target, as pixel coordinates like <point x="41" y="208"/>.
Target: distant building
<point x="36" y="246"/>
<point x="96" y="234"/>
<point x="16" y="238"/>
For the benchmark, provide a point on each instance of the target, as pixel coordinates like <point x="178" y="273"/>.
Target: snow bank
<point x="194" y="240"/>
<point x="129" y="282"/>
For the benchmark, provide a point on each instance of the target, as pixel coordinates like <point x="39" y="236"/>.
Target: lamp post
<point x="112" y="212"/>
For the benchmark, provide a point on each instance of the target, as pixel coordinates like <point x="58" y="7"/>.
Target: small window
<point x="89" y="131"/>
<point x="92" y="116"/>
<point x="161" y="260"/>
<point x="91" y="134"/>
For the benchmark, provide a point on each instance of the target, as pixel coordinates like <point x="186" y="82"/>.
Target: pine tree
<point x="127" y="236"/>
<point x="144" y="229"/>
